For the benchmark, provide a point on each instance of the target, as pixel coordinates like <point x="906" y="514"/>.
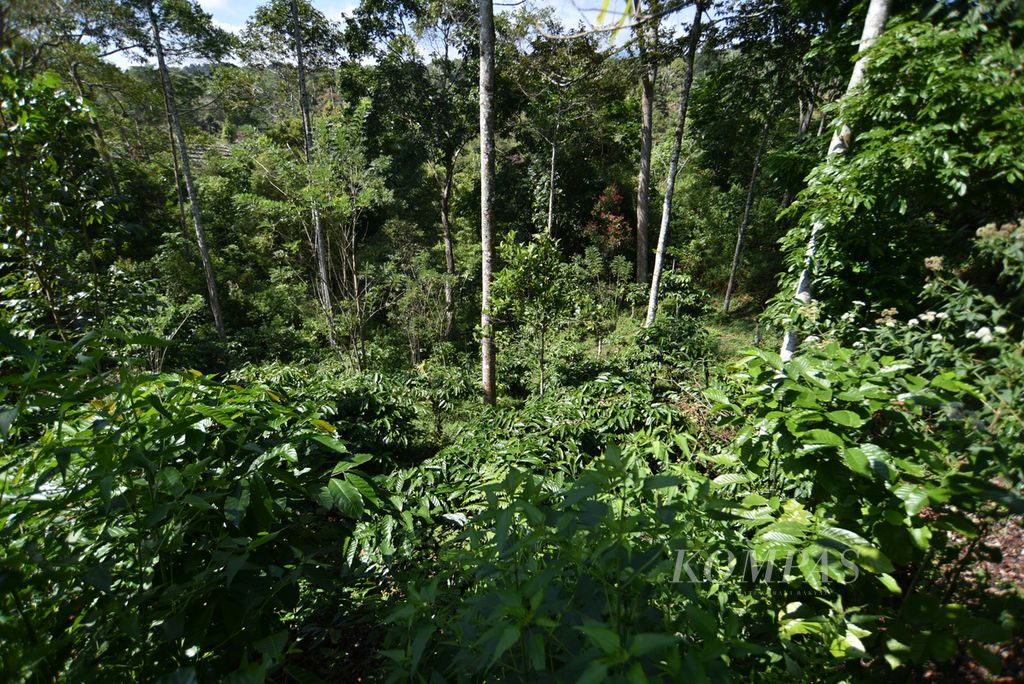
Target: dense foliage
<point x="319" y="495"/>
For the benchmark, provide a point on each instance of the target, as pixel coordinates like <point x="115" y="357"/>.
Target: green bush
<point x="161" y="525"/>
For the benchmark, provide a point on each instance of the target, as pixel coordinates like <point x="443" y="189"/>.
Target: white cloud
<point x="336" y="11"/>
<point x="228" y="26"/>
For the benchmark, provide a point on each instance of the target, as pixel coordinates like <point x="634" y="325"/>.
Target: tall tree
<point x="486" y="195"/>
<point x="167" y="30"/>
<point x="742" y="230"/>
<point x="425" y="75"/>
<point x="187" y="23"/>
<point x="444" y="117"/>
<point x="673" y="168"/>
<point x="874" y="24"/>
<point x="555" y="79"/>
<point x="314" y="44"/>
<point x="647" y="44"/>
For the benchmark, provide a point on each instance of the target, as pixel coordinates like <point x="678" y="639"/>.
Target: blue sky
<point x="232" y="14"/>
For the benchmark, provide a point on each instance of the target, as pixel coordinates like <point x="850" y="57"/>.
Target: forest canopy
<point x="452" y="340"/>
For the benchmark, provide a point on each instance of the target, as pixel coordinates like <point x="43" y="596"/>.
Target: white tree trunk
<point x="673" y="166"/>
<point x="874" y="24"/>
<point x="449" y="248"/>
<point x="323" y="283"/>
<point x="486" y="195"/>
<point x="741" y="233"/>
<point x="551" y="184"/>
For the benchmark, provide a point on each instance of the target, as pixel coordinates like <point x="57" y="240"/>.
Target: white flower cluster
<point x="930" y="316"/>
<point x="985" y="334"/>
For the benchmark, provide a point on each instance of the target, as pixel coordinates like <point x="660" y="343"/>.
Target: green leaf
<point x="331" y="443"/>
<point x="726" y="479"/>
<point x="878" y="460"/>
<point x="419" y="644"/>
<point x="595" y="673"/>
<point x="345" y="497"/>
<point x="809" y="565"/>
<point x="873" y="559"/>
<point x="646" y="642"/>
<point x="845" y="418"/>
<point x="914" y="498"/>
<point x="824" y="437"/>
<point x="509" y="636"/>
<point x="364" y="488"/>
<point x="717" y="396"/>
<point x="848" y="646"/>
<point x="890" y="583"/>
<point x="844" y="537"/>
<point x="604" y="638"/>
<point x="663" y="482"/>
<point x="535" y="650"/>
<point x="856" y="460"/>
<point x="272" y="645"/>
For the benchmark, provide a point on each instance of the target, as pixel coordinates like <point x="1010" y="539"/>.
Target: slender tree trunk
<point x="182" y="220"/>
<point x="486" y="194"/>
<point x="874" y="24"/>
<point x="673" y="166"/>
<point x="323" y="283"/>
<point x="647" y="81"/>
<point x="449" y="247"/>
<point x="804" y="122"/>
<point x="197" y="220"/>
<point x="540" y="360"/>
<point x="803" y="125"/>
<point x="551" y="185"/>
<point x="101" y="141"/>
<point x="741" y="233"/>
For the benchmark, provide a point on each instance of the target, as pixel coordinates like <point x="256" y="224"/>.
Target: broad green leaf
<point x="651" y="641"/>
<point x="890" y="583"/>
<point x="857" y="461"/>
<point x="345" y="497"/>
<point x="824" y="437"/>
<point x="604" y="638"/>
<point x="845" y="418"/>
<point x="509" y="636"/>
<point x="726" y="479"/>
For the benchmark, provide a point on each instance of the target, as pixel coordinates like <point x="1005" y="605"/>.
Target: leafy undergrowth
<point x="820" y="519"/>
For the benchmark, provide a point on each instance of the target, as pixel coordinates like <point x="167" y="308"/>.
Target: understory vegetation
<point x="241" y="347"/>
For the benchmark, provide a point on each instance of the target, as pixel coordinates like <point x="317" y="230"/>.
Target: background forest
<point x="448" y="342"/>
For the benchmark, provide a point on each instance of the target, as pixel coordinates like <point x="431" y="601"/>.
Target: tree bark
<point x="551" y="184"/>
<point x="540" y="360"/>
<point x="647" y="81"/>
<point x="742" y="231"/>
<point x="486" y="195"/>
<point x="323" y="283"/>
<point x="449" y="248"/>
<point x="182" y="220"/>
<point x="197" y="220"/>
<point x="673" y="166"/>
<point x="874" y="24"/>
